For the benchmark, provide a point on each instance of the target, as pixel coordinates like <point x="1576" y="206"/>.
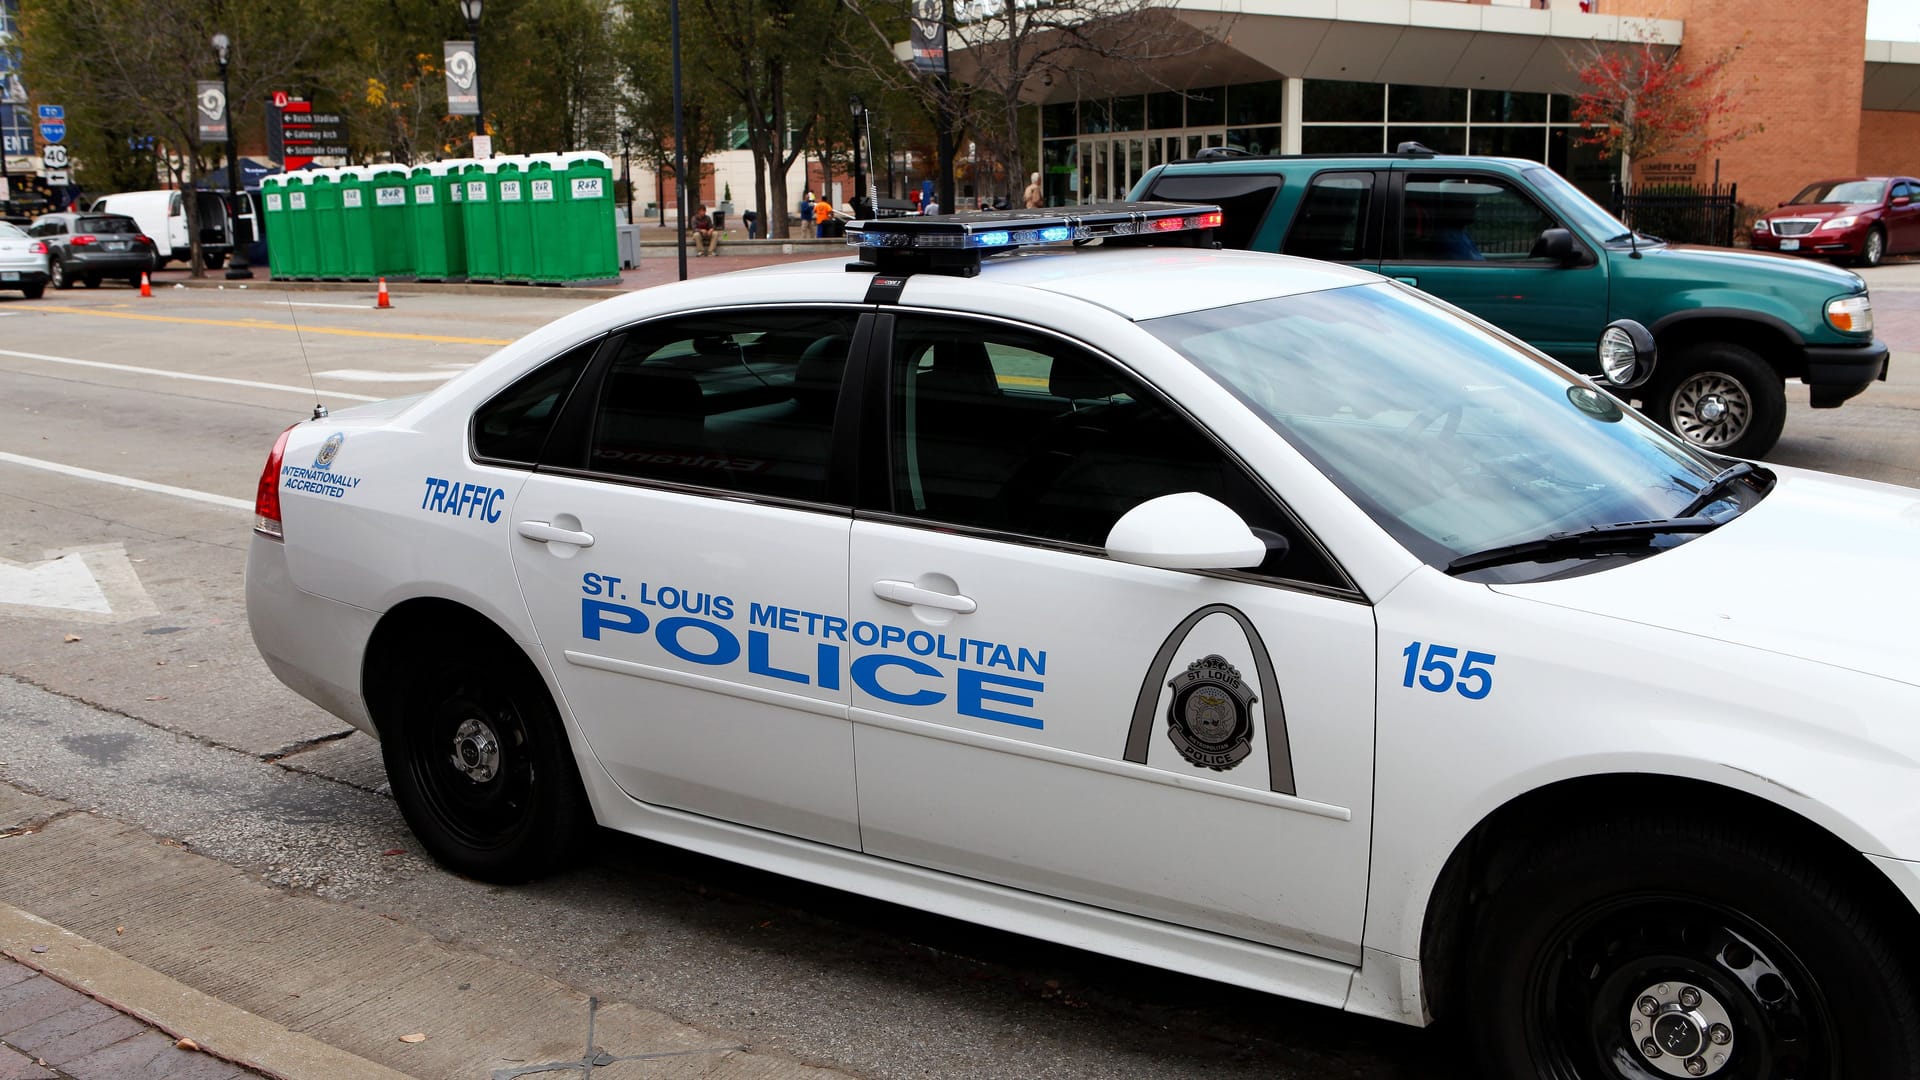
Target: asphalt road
<point x="184" y="733"/>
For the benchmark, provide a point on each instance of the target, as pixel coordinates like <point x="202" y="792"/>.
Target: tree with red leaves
<point x="1640" y="101"/>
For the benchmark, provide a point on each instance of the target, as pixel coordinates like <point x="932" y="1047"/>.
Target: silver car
<point x="23" y="262"/>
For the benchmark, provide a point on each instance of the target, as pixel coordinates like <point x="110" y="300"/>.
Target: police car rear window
<point x="513" y="426"/>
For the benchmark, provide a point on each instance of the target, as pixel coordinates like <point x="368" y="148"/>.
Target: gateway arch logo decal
<point x="1210" y="718"/>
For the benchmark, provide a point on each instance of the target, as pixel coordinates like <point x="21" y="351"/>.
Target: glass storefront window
<point x="1426" y="105"/>
<point x="1207" y="107"/>
<point x="1254" y="103"/>
<point x="1255" y="140"/>
<point x="1338" y="139"/>
<point x="1562" y="108"/>
<point x="1517" y="142"/>
<point x="1129" y="113"/>
<point x="1440" y="140"/>
<point x="1096" y="116"/>
<point x="1165" y="109"/>
<point x="1332" y="99"/>
<point x="1507" y="107"/>
<point x="1057" y="121"/>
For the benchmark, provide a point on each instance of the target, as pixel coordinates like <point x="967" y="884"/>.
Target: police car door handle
<point x="545" y="533"/>
<point x="906" y="592"/>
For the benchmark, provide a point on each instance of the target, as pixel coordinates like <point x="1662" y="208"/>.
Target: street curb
<point x="220" y="1029"/>
<point x="397" y="288"/>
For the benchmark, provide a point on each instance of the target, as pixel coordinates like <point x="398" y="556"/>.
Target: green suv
<point x="1516" y="244"/>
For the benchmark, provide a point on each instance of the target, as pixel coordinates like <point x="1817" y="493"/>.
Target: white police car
<point x="1253" y="617"/>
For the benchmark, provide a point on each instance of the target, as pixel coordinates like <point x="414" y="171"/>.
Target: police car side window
<point x="740" y="401"/>
<point x="513" y="426"/>
<point x="1013" y="431"/>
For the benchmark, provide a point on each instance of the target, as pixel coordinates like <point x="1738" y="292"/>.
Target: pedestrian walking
<point x="822" y="213"/>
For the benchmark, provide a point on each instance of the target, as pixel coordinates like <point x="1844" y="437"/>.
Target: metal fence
<point x="1682" y="213"/>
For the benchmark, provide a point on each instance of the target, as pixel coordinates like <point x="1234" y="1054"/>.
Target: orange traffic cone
<point x="146" y="287"/>
<point x="384" y="302"/>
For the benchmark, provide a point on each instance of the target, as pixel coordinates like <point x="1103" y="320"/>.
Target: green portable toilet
<point x="548" y="214"/>
<point x="433" y="217"/>
<point x="587" y="196"/>
<point x="356" y="219"/>
<point x="330" y="231"/>
<point x="516" y="223"/>
<point x="301" y="255"/>
<point x="481" y="222"/>
<point x="392" y="232"/>
<point x="273" y="225"/>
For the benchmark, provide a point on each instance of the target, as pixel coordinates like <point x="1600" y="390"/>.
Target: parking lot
<point x="134" y="433"/>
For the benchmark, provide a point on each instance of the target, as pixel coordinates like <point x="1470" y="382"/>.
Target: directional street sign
<point x="53" y="130"/>
<point x="54" y="157"/>
<point x="53" y="112"/>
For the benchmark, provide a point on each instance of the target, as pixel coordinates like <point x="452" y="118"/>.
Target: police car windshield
<point x="1453" y="440"/>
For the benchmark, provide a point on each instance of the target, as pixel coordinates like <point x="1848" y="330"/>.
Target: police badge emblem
<point x="329" y="450"/>
<point x="1210" y="720"/>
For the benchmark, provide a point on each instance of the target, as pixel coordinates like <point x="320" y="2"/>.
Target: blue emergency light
<point x="955" y="243"/>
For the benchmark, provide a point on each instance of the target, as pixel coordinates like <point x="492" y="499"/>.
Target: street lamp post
<point x="237" y="267"/>
<point x="626" y="169"/>
<point x="470" y="10"/>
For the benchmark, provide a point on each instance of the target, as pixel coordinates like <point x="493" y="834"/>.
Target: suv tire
<point x="1720" y="397"/>
<point x="1777" y="949"/>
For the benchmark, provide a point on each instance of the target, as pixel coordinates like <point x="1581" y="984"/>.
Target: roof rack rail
<point x="955" y="243"/>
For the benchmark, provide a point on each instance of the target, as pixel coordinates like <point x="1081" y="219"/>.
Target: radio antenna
<point x="319" y="410"/>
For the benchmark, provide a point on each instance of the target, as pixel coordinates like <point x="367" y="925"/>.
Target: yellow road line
<point x="262" y="324"/>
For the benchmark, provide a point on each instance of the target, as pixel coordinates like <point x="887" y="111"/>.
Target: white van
<point x="163" y="216"/>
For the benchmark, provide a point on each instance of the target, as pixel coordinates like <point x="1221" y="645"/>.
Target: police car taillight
<point x="266" y="498"/>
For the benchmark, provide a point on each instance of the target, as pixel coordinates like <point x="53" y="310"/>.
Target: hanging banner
<point x="211" y="102"/>
<point x="927" y="30"/>
<point x="463" y="79"/>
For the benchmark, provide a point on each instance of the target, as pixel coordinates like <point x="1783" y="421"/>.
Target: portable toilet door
<point x="356" y="217"/>
<point x="588" y="193"/>
<point x="549" y="219"/>
<point x="300" y="253"/>
<point x="433" y="220"/>
<point x="392" y="232"/>
<point x="330" y="231"/>
<point x="482" y="224"/>
<point x="273" y="218"/>
<point x="516" y="222"/>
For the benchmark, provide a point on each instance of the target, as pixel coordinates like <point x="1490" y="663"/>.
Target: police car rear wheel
<point x="480" y="766"/>
<point x="1656" y="949"/>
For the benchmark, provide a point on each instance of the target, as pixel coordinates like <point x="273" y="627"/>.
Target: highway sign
<point x="54" y="157"/>
<point x="53" y="130"/>
<point x="53" y="112"/>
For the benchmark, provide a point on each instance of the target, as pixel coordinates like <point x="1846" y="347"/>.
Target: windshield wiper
<point x="1595" y="539"/>
<point x="1716" y="488"/>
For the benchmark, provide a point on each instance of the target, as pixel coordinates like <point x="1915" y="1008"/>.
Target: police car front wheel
<point x="1639" y="951"/>
<point x="480" y="766"/>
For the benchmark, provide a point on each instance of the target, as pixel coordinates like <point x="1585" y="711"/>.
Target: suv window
<point x="1468" y="218"/>
<point x="741" y="401"/>
<point x="1013" y="431"/>
<point x="107" y="225"/>
<point x="1331" y="223"/>
<point x="48" y="227"/>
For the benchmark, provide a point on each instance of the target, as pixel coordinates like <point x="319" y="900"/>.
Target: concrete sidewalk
<point x="281" y="984"/>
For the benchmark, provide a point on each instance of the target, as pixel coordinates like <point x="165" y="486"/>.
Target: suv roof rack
<point x="955" y="243"/>
<point x="1404" y="150"/>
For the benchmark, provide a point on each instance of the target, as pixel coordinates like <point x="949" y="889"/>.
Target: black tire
<point x="35" y="292"/>
<point x="58" y="275"/>
<point x="516" y="810"/>
<point x="1720" y="397"/>
<point x="1875" y="247"/>
<point x="1779" y="949"/>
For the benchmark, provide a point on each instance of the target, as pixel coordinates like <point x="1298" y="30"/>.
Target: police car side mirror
<point x="1187" y="531"/>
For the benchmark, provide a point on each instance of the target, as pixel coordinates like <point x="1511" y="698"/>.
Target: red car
<point x="1862" y="219"/>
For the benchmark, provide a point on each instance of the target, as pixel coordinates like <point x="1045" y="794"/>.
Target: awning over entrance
<point x="1893" y="76"/>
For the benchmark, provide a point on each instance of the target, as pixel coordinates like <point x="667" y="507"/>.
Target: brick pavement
<point x="50" y="1031"/>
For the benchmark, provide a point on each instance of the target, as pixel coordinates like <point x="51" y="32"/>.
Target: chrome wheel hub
<point x="1681" y="1030"/>
<point x="476" y="751"/>
<point x="1711" y="410"/>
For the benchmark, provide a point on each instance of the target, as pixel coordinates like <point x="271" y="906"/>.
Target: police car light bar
<point x="955" y="243"/>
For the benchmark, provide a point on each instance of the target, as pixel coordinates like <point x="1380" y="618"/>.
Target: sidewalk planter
<point x="586" y="196"/>
<point x="392" y="233"/>
<point x="433" y="218"/>
<point x="516" y="221"/>
<point x="356" y="220"/>
<point x="482" y="223"/>
<point x="330" y="231"/>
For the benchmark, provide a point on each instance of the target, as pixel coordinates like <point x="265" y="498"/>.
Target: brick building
<point x="1307" y="76"/>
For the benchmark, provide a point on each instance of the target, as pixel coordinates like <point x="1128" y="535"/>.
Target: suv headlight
<point x="1853" y="314"/>
<point x="1836" y="224"/>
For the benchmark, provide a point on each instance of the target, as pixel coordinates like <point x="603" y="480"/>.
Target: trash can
<point x="273" y="223"/>
<point x="433" y="217"/>
<point x="356" y="219"/>
<point x="330" y="233"/>
<point x="516" y="222"/>
<point x="392" y="233"/>
<point x="587" y="197"/>
<point x="481" y="224"/>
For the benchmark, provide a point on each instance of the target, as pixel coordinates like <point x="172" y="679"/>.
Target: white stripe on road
<point x="303" y="391"/>
<point x="316" y="303"/>
<point x="128" y="482"/>
<point x="361" y="375"/>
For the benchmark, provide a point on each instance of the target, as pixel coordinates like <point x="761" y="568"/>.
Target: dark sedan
<point x="91" y="248"/>
<point x="1860" y="219"/>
